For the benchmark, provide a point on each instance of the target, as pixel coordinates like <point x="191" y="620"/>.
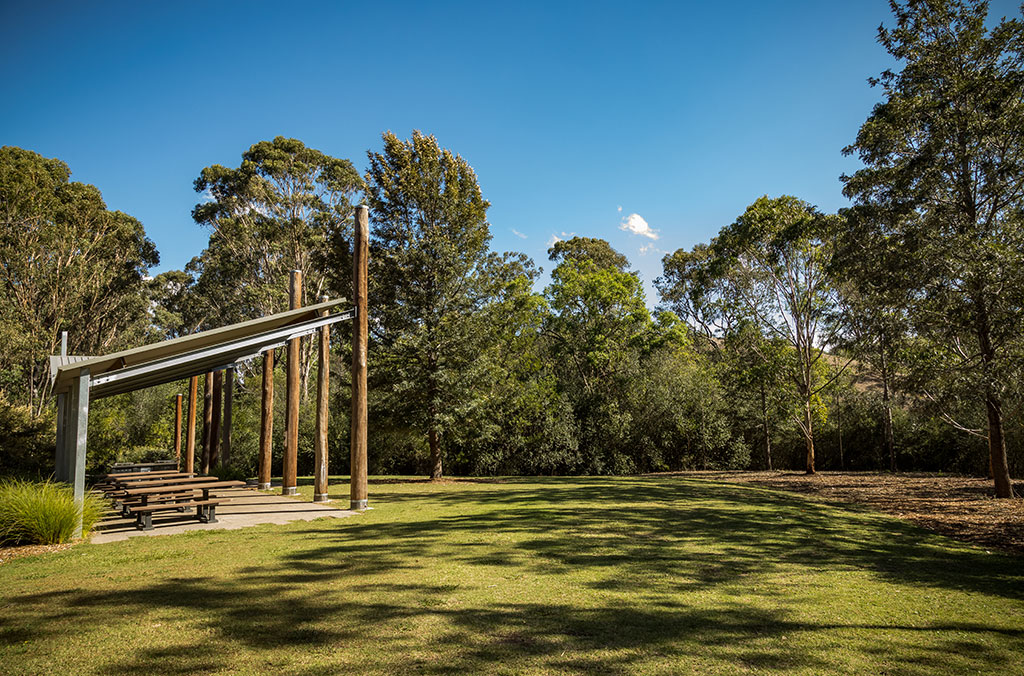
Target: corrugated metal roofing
<point x="190" y="355"/>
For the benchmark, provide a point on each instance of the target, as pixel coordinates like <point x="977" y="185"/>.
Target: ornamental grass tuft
<point x="42" y="512"/>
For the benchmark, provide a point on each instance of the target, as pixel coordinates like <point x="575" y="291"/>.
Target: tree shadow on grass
<point x="641" y="545"/>
<point x="731" y="530"/>
<point x="543" y="636"/>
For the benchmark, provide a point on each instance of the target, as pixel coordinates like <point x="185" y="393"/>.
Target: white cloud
<point x="635" y="224"/>
<point x="518" y="234"/>
<point x="620" y="208"/>
<point x="556" y="238"/>
<point x="649" y="248"/>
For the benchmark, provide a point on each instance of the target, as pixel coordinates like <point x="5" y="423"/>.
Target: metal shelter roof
<point x="191" y="355"/>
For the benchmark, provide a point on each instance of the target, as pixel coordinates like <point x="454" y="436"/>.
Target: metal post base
<point x="264" y="487"/>
<point x="289" y="491"/>
<point x="358" y="504"/>
<point x="319" y="497"/>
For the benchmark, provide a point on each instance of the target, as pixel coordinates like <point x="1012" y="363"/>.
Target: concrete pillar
<point x="78" y="435"/>
<point x="60" y="462"/>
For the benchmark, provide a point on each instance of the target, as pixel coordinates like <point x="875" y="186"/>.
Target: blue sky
<point x="574" y="115"/>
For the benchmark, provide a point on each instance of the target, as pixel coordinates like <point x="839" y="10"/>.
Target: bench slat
<point x="173" y="505"/>
<point x="180" y="488"/>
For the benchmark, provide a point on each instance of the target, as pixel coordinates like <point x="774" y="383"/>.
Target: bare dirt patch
<point x="960" y="507"/>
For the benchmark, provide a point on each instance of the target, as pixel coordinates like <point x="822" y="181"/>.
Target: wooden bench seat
<point x="125" y="502"/>
<point x="206" y="511"/>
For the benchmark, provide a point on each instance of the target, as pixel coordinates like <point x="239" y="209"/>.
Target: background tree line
<point x="886" y="336"/>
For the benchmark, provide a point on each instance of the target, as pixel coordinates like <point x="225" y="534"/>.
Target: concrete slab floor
<point x="245" y="507"/>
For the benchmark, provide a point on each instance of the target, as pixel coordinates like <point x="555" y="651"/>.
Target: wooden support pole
<point x="229" y="395"/>
<point x="207" y="422"/>
<point x="177" y="431"/>
<point x="360" y="331"/>
<point x="323" y="384"/>
<point x="266" y="422"/>
<point x="190" y="441"/>
<point x="291" y="427"/>
<point x="218" y="387"/>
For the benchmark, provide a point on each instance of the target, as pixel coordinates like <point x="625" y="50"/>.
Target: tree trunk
<point x="207" y="422"/>
<point x="996" y="441"/>
<point x="435" y="453"/>
<point x="809" y="435"/>
<point x="997" y="447"/>
<point x="767" y="430"/>
<point x="217" y="401"/>
<point x="890" y="440"/>
<point x="839" y="431"/>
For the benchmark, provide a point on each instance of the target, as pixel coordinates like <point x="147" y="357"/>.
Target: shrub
<point x="26" y="441"/>
<point x="230" y="473"/>
<point x="42" y="512"/>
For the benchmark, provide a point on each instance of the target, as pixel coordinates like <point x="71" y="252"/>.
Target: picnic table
<point x="180" y="495"/>
<point x="117" y="491"/>
<point x="163" y="481"/>
<point x="129" y="475"/>
<point x="114" y="479"/>
<point x="151" y="466"/>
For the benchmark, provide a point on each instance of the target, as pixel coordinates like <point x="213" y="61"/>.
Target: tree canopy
<point x="944" y="174"/>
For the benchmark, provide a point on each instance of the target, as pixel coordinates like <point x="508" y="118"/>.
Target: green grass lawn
<point x="651" y="575"/>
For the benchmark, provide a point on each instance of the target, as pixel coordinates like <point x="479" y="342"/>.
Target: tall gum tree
<point x="770" y="267"/>
<point x="68" y="263"/>
<point x="276" y="212"/>
<point x="944" y="160"/>
<point x="285" y="207"/>
<point x="871" y="278"/>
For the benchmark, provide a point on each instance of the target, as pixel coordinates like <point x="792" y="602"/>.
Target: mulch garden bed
<point x="9" y="553"/>
<point x="960" y="507"/>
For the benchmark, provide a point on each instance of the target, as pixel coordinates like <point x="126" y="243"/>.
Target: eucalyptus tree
<point x="282" y="209"/>
<point x="875" y="296"/>
<point x="771" y="267"/>
<point x="755" y="369"/>
<point x="598" y="251"/>
<point x="703" y="292"/>
<point x="944" y="159"/>
<point x="278" y="211"/>
<point x="430" y="285"/>
<point x="67" y="263"/>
